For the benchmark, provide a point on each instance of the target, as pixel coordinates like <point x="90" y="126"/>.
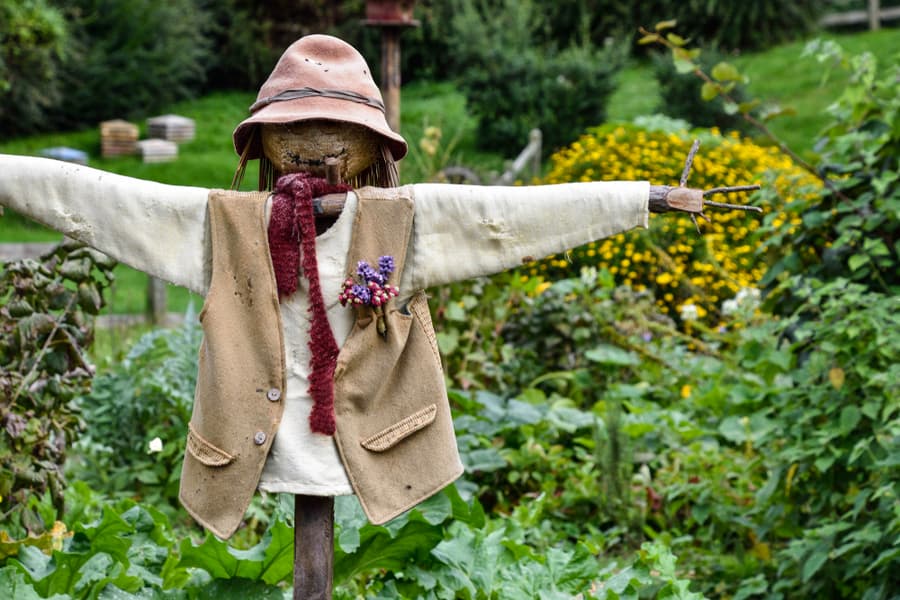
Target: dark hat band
<point x="307" y="92"/>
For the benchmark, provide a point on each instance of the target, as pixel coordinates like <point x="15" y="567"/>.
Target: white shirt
<point x="459" y="232"/>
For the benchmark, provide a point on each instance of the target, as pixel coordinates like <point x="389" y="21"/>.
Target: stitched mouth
<point x="299" y="161"/>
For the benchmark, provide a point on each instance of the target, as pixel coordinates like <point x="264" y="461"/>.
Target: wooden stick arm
<point x="329" y="205"/>
<point x="665" y="198"/>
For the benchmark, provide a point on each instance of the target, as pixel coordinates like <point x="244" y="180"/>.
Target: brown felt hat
<point x="319" y="77"/>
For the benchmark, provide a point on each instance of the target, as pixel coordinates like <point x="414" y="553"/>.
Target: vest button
<point x="274" y="394"/>
<point x="260" y="438"/>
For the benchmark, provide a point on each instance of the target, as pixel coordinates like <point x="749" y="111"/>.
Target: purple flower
<point x="368" y="273"/>
<point x="386" y="265"/>
<point x="370" y="288"/>
<point x="361" y="293"/>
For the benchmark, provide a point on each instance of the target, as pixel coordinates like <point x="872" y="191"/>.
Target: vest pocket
<point x="389" y="437"/>
<point x="204" y="451"/>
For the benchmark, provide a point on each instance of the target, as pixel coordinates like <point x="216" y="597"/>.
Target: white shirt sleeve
<point x="156" y="228"/>
<point x="464" y="231"/>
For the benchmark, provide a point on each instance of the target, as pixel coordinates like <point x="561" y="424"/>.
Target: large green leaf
<point x="379" y="549"/>
<point x="606" y="354"/>
<point x="14" y="585"/>
<point x="474" y="554"/>
<point x="270" y="561"/>
<point x="239" y="589"/>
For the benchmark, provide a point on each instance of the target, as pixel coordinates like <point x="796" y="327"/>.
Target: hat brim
<point x="315" y="108"/>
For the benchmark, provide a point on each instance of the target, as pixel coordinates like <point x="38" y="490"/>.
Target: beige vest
<point x="394" y="429"/>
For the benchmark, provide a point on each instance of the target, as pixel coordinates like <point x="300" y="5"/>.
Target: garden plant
<point x="660" y="415"/>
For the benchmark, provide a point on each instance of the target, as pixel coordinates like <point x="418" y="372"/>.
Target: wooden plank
<point x="855" y="17"/>
<point x="157" y="300"/>
<point x="313" y="547"/>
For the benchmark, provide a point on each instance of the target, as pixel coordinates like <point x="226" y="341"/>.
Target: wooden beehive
<point x="153" y="151"/>
<point x="118" y="137"/>
<point x="174" y="128"/>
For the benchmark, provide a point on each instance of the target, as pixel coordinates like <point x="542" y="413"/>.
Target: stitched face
<point x="303" y="146"/>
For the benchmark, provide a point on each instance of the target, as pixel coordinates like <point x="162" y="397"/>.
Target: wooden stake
<point x="333" y="170"/>
<point x="313" y="547"/>
<point x="390" y="74"/>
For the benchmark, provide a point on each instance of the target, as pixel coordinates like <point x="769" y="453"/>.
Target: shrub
<point x="512" y="86"/>
<point x="680" y="95"/>
<point x="131" y="58"/>
<point x="45" y="327"/>
<point x="852" y="230"/>
<point x="733" y="24"/>
<point x="34" y="41"/>
<point x="137" y="415"/>
<point x="690" y="274"/>
<point x="829" y="426"/>
<point x="241" y="37"/>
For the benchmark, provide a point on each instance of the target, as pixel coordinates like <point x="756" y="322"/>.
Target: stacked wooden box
<point x="174" y="128"/>
<point x="118" y="137"/>
<point x="156" y="150"/>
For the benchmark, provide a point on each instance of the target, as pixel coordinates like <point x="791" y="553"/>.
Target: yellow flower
<point x="686" y="391"/>
<point x="677" y="265"/>
<point x="542" y="287"/>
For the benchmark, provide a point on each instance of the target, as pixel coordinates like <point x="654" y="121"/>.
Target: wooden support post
<point x="535" y="139"/>
<point x="313" y="547"/>
<point x="156" y="300"/>
<point x="333" y="170"/>
<point x="874" y="10"/>
<point x="390" y="74"/>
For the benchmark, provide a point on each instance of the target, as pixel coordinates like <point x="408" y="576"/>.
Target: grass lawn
<point x="780" y="75"/>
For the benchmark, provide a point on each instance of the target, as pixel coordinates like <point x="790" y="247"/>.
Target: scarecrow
<point x="319" y="372"/>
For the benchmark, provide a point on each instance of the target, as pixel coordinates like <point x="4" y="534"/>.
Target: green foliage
<point x="831" y="429"/>
<point x="34" y="41"/>
<point x="433" y="50"/>
<point x="131" y="58"/>
<point x="852" y="230"/>
<point x="138" y="413"/>
<point x="513" y="86"/>
<point x="445" y="548"/>
<point x="46" y="309"/>
<point x="680" y="97"/>
<point x="733" y="24"/>
<point x="587" y="420"/>
<point x="774" y="463"/>
<point x="128" y="550"/>
<point x="241" y="35"/>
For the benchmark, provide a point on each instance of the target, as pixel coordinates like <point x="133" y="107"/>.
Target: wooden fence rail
<point x="873" y="15"/>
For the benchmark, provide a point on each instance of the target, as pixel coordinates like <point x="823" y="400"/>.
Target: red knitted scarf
<point x="292" y="231"/>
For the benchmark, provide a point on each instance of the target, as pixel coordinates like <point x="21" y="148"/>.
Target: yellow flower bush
<point x="689" y="273"/>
